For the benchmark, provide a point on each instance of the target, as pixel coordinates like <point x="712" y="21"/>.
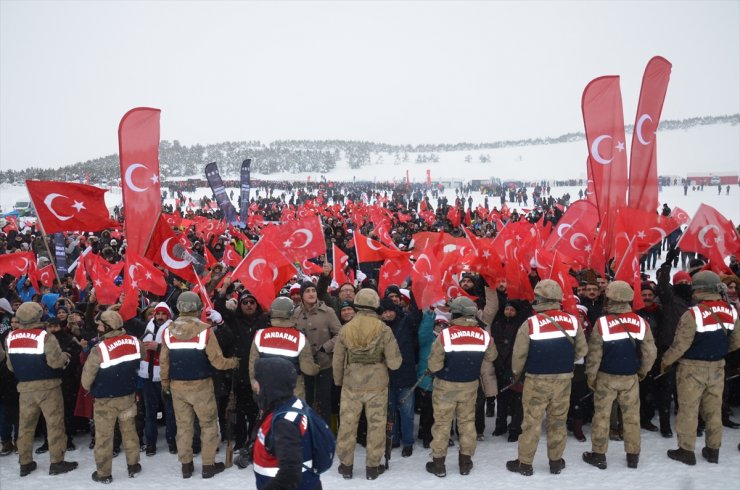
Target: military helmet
<point x="29" y="312"/>
<point x="706" y="281"/>
<point x="111" y="319"/>
<point x="188" y="302"/>
<point x="619" y="292"/>
<point x="367" y="298"/>
<point x="463" y="306"/>
<point x="282" y="308"/>
<point x="549" y="290"/>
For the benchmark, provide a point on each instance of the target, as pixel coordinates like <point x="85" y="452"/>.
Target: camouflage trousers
<point x="107" y="411"/>
<point x="453" y="400"/>
<point x="376" y="410"/>
<point x="191" y="399"/>
<point x="542" y="395"/>
<point x="32" y="404"/>
<point x="300" y="387"/>
<point x="626" y="391"/>
<point x="699" y="391"/>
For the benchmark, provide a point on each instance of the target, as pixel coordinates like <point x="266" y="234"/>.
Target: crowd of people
<point x="364" y="359"/>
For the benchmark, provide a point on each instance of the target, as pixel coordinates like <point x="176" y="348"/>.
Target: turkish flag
<point x="453" y="215"/>
<point x="161" y="251"/>
<point x="643" y="181"/>
<point x="368" y="250"/>
<point x="46" y="275"/>
<point x="340" y="267"/>
<point x="138" y="149"/>
<point x="63" y="206"/>
<point x="206" y="227"/>
<point x="393" y="271"/>
<point x="487" y="261"/>
<point x="16" y="264"/>
<point x="310" y="268"/>
<point x="628" y="270"/>
<point x="141" y="273"/>
<point x="231" y="257"/>
<point x="426" y="278"/>
<point x="264" y="271"/>
<point x="299" y="239"/>
<point x="103" y="277"/>
<point x="647" y="228"/>
<point x="559" y="272"/>
<point x="573" y="236"/>
<point x="604" y="121"/>
<point x="710" y="230"/>
<point x="681" y="216"/>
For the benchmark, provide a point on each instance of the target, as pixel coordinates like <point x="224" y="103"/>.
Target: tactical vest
<point x="550" y="351"/>
<point x="280" y="342"/>
<point x="119" y="363"/>
<point x="619" y="352"/>
<point x="464" y="348"/>
<point x="714" y="322"/>
<point x="266" y="464"/>
<point x="26" y="353"/>
<point x="188" y="359"/>
<point x="372" y="354"/>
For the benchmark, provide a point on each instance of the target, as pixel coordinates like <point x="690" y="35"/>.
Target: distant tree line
<point x="318" y="156"/>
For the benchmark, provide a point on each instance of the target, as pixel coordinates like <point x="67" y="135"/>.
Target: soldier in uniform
<point x="456" y="360"/>
<point x="364" y="351"/>
<point x="37" y="361"/>
<point x="704" y="335"/>
<point x="282" y="339"/>
<point x="548" y="343"/>
<point x="110" y="374"/>
<point x="189" y="353"/>
<point x="613" y="371"/>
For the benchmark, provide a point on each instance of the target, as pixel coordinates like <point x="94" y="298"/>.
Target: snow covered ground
<point x="656" y="471"/>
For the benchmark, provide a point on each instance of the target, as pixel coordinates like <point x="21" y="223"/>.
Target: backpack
<point x="323" y="443"/>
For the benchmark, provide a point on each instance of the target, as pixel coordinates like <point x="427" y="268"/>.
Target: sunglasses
<point x="249" y="302"/>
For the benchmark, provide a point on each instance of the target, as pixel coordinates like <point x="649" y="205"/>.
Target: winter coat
<point x="404" y="376"/>
<point x="321" y="327"/>
<point x="426" y="339"/>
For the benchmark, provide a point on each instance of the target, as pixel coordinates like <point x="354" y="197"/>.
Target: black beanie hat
<point x="392" y="289"/>
<point x="306" y="285"/>
<point x="387" y="304"/>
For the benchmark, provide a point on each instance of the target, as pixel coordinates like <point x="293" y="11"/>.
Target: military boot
<point x="683" y="455"/>
<point x="372" y="472"/>
<point x="187" y="470"/>
<point x="465" y="464"/>
<point x="595" y="459"/>
<point x="211" y="470"/>
<point x="437" y="467"/>
<point x="26" y="469"/>
<point x="516" y="466"/>
<point x="133" y="469"/>
<point x="62" y="467"/>
<point x="102" y="479"/>
<point x="556" y="466"/>
<point x="632" y="460"/>
<point x="345" y="471"/>
<point x="711" y="455"/>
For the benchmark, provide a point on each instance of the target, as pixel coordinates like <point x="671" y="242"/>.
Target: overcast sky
<point x="396" y="72"/>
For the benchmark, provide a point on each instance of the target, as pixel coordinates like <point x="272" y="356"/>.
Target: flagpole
<point x="46" y="243"/>
<point x="616" y="271"/>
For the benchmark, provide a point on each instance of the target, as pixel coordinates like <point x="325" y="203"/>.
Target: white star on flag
<point x="428" y="277"/>
<point x="154" y="179"/>
<point x="134" y="284"/>
<point x="98" y="283"/>
<point x="79" y="206"/>
<point x="287" y="243"/>
<point x="486" y="254"/>
<point x="641" y="234"/>
<point x="620" y="146"/>
<point x="148" y="275"/>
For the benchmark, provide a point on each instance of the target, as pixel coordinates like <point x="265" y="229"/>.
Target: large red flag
<point x="63" y="206"/>
<point x="710" y="230"/>
<point x="264" y="271"/>
<point x="162" y="251"/>
<point x="141" y="273"/>
<point x="340" y="267"/>
<point x="681" y="216"/>
<point x="393" y="271"/>
<point x="299" y="239"/>
<point x="426" y="278"/>
<point x="628" y="270"/>
<point x="604" y="121"/>
<point x="573" y="236"/>
<point x="16" y="264"/>
<point x="643" y="182"/>
<point x="138" y="146"/>
<point x="368" y="250"/>
<point x="646" y="228"/>
<point x="47" y="275"/>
